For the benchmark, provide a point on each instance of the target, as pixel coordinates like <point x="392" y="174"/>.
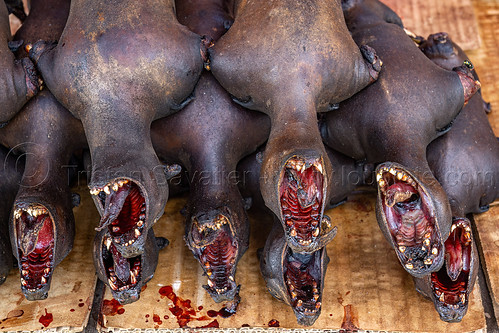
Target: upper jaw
<point x="26" y="239"/>
<point x="133" y="244"/>
<point x="302" y="195"/>
<point x="413" y="229"/>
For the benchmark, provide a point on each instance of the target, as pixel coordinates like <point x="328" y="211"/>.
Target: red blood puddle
<point x="112" y="307"/>
<point x="81" y="304"/>
<point x="200" y="307"/>
<point x="223" y="312"/>
<point x="166" y="317"/>
<point x="185" y="312"/>
<point x="72" y="310"/>
<point x="144" y="287"/>
<point x="245" y="325"/>
<point x="46" y="319"/>
<point x="274" y="323"/>
<point x="157" y="319"/>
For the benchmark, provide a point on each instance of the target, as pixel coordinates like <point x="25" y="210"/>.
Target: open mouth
<point x="35" y="243"/>
<point x="124" y="210"/>
<point x="450" y="284"/>
<point x="122" y="273"/>
<point x="216" y="249"/>
<point x="409" y="215"/>
<point x="301" y="199"/>
<point x="303" y="275"/>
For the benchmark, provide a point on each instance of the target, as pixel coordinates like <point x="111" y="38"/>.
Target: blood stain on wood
<point x="350" y="320"/>
<point x="157" y="319"/>
<point x="46" y="319"/>
<point x="112" y="307"/>
<point x="15" y="314"/>
<point x="213" y="324"/>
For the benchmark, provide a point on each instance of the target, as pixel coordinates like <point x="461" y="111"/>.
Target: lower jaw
<point x="36" y="295"/>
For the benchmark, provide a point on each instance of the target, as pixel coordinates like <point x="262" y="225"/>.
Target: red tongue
<point x="121" y="265"/>
<point x="454" y="256"/>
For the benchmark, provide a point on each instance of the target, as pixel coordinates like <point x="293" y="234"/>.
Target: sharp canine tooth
<point x="392" y="171"/>
<point x="115" y="187"/>
<point x="106" y="190"/>
<point x="23" y="282"/>
<point x="453" y="228"/>
<point x="112" y="285"/>
<point x="210" y="283"/>
<point x="133" y="279"/>
<point x="316" y="232"/>
<point x="293" y="232"/>
<point x="140" y="223"/>
<point x="400" y="175"/>
<point x="402" y="249"/>
<point x="434" y="251"/>
<point x="316" y="297"/>
<point x="319" y="167"/>
<point x="24" y="272"/>
<point x="108" y="243"/>
<point x="47" y="271"/>
<point x="463" y="298"/>
<point x="442" y="298"/>
<point x="137" y="233"/>
<point x="409" y="266"/>
<point x="44" y="280"/>
<point x="382" y="183"/>
<point x="231" y="278"/>
<point x="378" y="177"/>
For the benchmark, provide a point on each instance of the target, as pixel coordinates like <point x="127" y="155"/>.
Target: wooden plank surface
<point x="455" y="17"/>
<point x="72" y="288"/>
<point x="364" y="279"/>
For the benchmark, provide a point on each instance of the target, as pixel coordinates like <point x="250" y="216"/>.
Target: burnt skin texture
<point x="125" y="277"/>
<point x="306" y="63"/>
<point x="47" y="19"/>
<point x="208" y="138"/>
<point x="211" y="18"/>
<point x="117" y="72"/>
<point x="42" y="225"/>
<point x="10" y="177"/>
<point x="466" y="162"/>
<point x="293" y="278"/>
<point x="19" y="80"/>
<point x="16" y="7"/>
<point x="42" y="221"/>
<point x="411" y="104"/>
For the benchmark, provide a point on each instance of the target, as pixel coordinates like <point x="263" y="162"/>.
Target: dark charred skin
<point x="151" y="67"/>
<point x="10" y="178"/>
<point x="292" y="74"/>
<point x="217" y="230"/>
<point x="466" y="163"/>
<point x="451" y="286"/>
<point x="42" y="221"/>
<point x="125" y="277"/>
<point x="346" y="175"/>
<point x="206" y="17"/>
<point x="16" y="7"/>
<point x="46" y="21"/>
<point x="413" y="102"/>
<point x="293" y="278"/>
<point x="19" y="80"/>
<point x="465" y="160"/>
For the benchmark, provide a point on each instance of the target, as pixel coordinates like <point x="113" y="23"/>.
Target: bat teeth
<point x="112" y="285"/>
<point x="231" y="278"/>
<point x="133" y="278"/>
<point x="434" y="251"/>
<point x="115" y="187"/>
<point x="463" y="298"/>
<point x="402" y="249"/>
<point x="442" y="298"/>
<point x="23" y="282"/>
<point x="106" y="190"/>
<point x="46" y="271"/>
<point x="293" y="232"/>
<point x="43" y="280"/>
<point x="315" y="232"/>
<point x="140" y="223"/>
<point x="137" y="233"/>
<point x="210" y="283"/>
<point x="409" y="266"/>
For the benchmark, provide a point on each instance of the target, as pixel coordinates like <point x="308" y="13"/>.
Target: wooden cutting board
<point x="455" y="17"/>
